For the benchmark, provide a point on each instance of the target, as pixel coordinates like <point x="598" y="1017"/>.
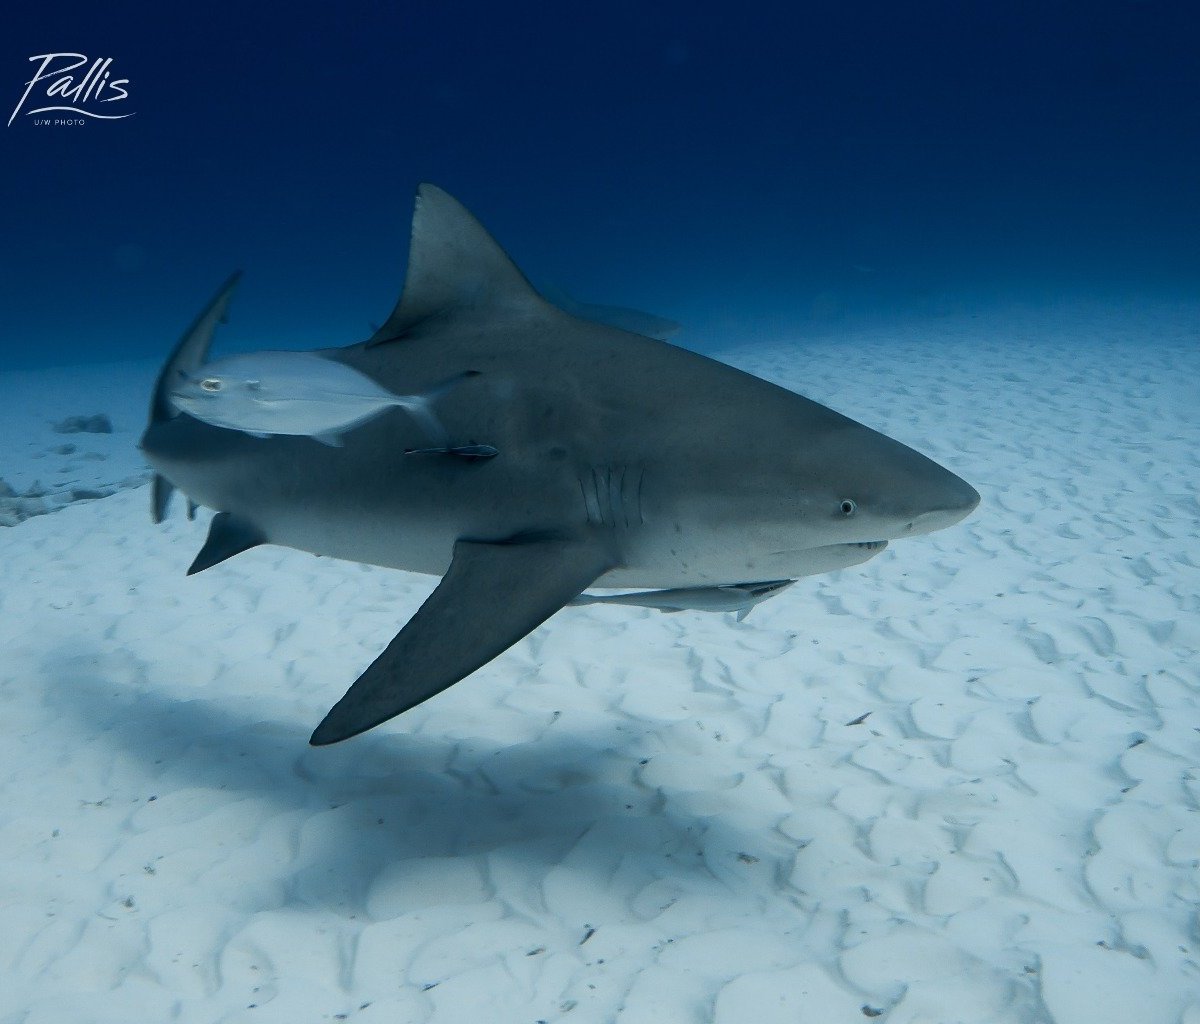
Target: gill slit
<point x="612" y="495"/>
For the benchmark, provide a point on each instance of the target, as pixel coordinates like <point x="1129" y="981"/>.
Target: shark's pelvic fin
<point x="475" y="613"/>
<point x="453" y="264"/>
<point x="227" y="536"/>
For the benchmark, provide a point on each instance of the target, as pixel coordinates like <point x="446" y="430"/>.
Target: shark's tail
<point x="188" y="355"/>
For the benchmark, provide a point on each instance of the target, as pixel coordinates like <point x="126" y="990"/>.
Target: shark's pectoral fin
<point x="227" y="536"/>
<point x="492" y="595"/>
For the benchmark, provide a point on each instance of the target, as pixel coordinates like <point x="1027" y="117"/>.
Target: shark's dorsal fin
<point x="453" y="265"/>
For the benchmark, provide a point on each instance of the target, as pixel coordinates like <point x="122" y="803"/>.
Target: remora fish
<point x="295" y="393"/>
<point x="734" y="597"/>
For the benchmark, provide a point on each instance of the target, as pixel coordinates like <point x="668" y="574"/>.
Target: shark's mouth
<point x="867" y="547"/>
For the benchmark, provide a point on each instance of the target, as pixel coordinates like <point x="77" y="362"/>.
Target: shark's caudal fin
<point x="476" y="612"/>
<point x="160" y="497"/>
<point x="188" y="355"/>
<point x="191" y="350"/>
<point x="453" y="264"/>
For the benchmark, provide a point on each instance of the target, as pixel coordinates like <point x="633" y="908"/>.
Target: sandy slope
<point x="642" y="817"/>
<point x="41" y="467"/>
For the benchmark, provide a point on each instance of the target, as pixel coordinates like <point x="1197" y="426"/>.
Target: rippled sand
<point x="959" y="783"/>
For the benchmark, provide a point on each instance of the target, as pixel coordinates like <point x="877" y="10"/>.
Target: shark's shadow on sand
<point x="568" y="797"/>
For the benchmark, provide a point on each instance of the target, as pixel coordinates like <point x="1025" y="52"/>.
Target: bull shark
<point x="609" y="459"/>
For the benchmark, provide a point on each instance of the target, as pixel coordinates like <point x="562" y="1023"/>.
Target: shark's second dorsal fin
<point x="453" y="264"/>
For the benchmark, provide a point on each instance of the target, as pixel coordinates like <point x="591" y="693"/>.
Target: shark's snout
<point x="906" y="493"/>
<point x="956" y="500"/>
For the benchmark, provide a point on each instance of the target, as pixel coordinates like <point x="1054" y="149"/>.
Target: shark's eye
<point x="210" y="384"/>
<point x="848" y="507"/>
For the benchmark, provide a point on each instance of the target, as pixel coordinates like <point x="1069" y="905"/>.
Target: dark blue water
<point x="739" y="168"/>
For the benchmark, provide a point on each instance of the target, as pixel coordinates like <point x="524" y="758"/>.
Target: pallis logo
<point x="59" y="88"/>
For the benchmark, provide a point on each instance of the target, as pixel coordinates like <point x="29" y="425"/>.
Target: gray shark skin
<point x="613" y="460"/>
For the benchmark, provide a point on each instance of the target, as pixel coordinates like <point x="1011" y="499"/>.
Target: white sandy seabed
<point x="957" y="784"/>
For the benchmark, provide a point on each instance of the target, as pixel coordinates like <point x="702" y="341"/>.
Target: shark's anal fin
<point x="492" y="595"/>
<point x="227" y="536"/>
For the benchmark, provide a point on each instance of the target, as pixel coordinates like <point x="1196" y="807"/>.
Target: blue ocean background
<point x="744" y="169"/>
